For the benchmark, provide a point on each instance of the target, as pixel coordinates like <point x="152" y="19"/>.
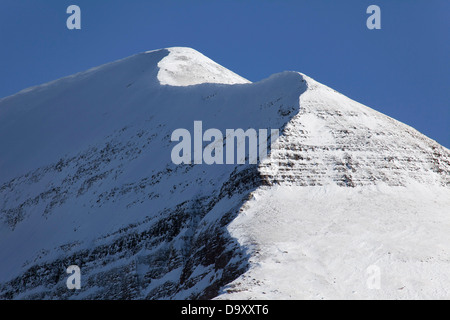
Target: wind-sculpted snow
<point x="87" y="179"/>
<point x="187" y="67"/>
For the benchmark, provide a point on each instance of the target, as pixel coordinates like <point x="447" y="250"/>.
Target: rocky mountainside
<point x="86" y="178"/>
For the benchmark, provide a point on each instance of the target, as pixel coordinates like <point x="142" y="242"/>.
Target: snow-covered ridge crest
<point x="186" y="67"/>
<point x="177" y="66"/>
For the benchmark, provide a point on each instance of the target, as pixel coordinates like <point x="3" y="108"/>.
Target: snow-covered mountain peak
<point x="186" y="66"/>
<point x="86" y="178"/>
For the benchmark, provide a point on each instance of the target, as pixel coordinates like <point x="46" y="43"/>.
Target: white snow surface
<point x="86" y="159"/>
<point x="310" y="238"/>
<point x="187" y="67"/>
<point x="320" y="243"/>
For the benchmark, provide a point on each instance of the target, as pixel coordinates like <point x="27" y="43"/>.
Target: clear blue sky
<point x="401" y="70"/>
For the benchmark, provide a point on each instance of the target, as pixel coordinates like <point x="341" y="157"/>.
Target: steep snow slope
<point x="349" y="191"/>
<point x="328" y="242"/>
<point x="335" y="140"/>
<point x="86" y="178"/>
